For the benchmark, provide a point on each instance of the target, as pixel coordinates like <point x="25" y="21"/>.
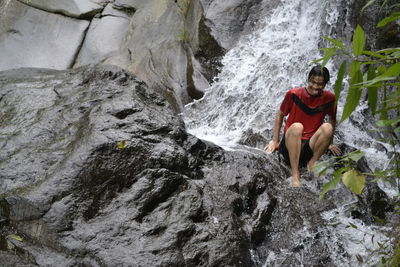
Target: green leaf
<point x="376" y="81"/>
<point x="385" y="123"/>
<point x="338" y="43"/>
<point x="332" y="184"/>
<point x="334" y="224"/>
<point x="379" y="220"/>
<point x="358" y="41"/>
<point x="384" y="113"/>
<point x="389" y="50"/>
<point x="323" y="166"/>
<point x="370" y="2"/>
<point x="354" y="94"/>
<point x="317" y="60"/>
<point x="372" y="90"/>
<point x="328" y="54"/>
<point x="393" y="17"/>
<point x="354" y="181"/>
<point x="393" y="71"/>
<point x="352" y="226"/>
<point x="122" y="144"/>
<point x="373" y="54"/>
<point x="16" y="237"/>
<point x="356" y="155"/>
<point x="339" y="80"/>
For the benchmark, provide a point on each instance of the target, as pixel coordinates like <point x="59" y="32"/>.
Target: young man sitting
<point x="306" y="137"/>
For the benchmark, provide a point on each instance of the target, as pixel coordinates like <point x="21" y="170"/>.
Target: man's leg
<point x="293" y="145"/>
<point x="320" y="142"/>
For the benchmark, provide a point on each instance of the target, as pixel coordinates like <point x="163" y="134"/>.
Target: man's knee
<point x="327" y="129"/>
<point x="296" y="129"/>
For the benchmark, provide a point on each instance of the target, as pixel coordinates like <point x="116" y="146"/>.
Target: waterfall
<point x="3" y="7"/>
<point x="262" y="67"/>
<point x="257" y="73"/>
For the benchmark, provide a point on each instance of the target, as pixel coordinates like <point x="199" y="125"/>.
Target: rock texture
<point x="31" y="37"/>
<point x="173" y="46"/>
<point x="156" y="40"/>
<point x="74" y="8"/>
<point x="96" y="169"/>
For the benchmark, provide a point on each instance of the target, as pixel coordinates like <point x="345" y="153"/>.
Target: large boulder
<point x="99" y="170"/>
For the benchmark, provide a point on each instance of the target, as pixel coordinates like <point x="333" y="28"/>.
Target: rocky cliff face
<point x="168" y="44"/>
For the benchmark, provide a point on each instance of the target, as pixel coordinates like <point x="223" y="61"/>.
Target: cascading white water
<point x="258" y="72"/>
<point x="3" y="7"/>
<point x="256" y="75"/>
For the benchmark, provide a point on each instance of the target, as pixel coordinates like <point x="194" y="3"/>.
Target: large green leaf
<point x="393" y="71"/>
<point x="389" y="50"/>
<point x="339" y="80"/>
<point x="356" y="155"/>
<point x="374" y="54"/>
<point x="358" y="41"/>
<point x="354" y="94"/>
<point x="376" y="82"/>
<point x="354" y="181"/>
<point x="372" y="90"/>
<point x="393" y="17"/>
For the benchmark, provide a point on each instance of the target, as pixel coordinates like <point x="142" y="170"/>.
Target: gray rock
<point x="104" y="39"/>
<point x="51" y="41"/>
<point x="70" y="8"/>
<point x="99" y="200"/>
<point x="229" y="19"/>
<point x="161" y="42"/>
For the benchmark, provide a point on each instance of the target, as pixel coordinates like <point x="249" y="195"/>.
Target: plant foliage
<point x="376" y="74"/>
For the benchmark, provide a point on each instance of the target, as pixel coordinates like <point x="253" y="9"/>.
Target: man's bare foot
<point x="295" y="182"/>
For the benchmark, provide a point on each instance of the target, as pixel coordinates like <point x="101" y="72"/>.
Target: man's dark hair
<point x="318" y="70"/>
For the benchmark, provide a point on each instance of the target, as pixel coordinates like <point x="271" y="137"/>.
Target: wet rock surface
<point x="96" y="169"/>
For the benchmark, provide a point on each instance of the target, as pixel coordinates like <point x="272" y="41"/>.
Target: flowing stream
<point x="256" y="75"/>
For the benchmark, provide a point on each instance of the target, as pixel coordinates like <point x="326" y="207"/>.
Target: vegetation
<point x="375" y="74"/>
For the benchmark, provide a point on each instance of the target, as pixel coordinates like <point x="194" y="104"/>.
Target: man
<point x="306" y="137"/>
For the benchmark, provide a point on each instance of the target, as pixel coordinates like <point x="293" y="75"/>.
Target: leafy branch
<point x="377" y="73"/>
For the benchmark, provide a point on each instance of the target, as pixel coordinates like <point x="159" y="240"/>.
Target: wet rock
<point x="229" y="20"/>
<point x="92" y="198"/>
<point x="26" y="44"/>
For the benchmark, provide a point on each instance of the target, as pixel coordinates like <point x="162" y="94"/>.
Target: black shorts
<point x="306" y="152"/>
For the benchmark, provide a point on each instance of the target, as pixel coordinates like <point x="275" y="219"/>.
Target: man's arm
<point x="333" y="148"/>
<point x="274" y="143"/>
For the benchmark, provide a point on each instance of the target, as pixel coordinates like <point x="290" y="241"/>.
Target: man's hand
<point x="335" y="150"/>
<point x="271" y="147"/>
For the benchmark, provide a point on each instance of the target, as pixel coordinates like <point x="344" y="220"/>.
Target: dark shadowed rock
<point x="99" y="170"/>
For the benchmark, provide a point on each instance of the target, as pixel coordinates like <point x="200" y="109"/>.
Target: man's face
<point x="316" y="85"/>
